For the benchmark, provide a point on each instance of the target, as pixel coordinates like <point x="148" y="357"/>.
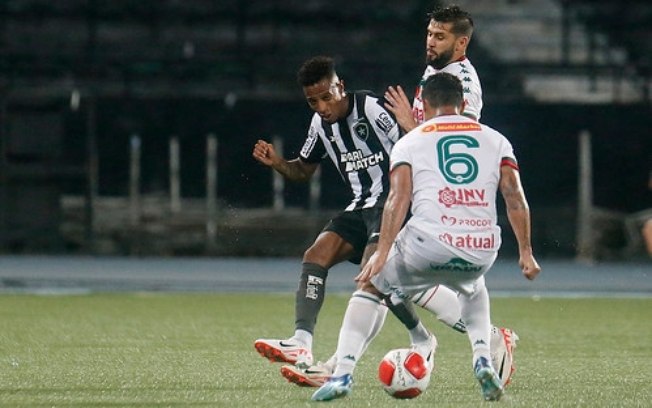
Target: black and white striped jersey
<point x="359" y="147"/>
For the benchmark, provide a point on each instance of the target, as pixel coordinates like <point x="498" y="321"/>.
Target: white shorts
<point x="418" y="262"/>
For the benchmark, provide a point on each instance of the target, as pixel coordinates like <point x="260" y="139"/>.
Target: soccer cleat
<point x="427" y="350"/>
<point x="284" y="351"/>
<point x="313" y="376"/>
<point x="335" y="387"/>
<point x="503" y="343"/>
<point x="492" y="389"/>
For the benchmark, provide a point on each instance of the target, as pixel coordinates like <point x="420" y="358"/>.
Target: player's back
<point x="455" y="164"/>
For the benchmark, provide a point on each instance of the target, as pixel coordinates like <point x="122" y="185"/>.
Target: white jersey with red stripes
<point x="464" y="70"/>
<point x="455" y="163"/>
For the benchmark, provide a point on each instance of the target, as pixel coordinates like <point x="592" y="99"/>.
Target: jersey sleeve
<point x="507" y="156"/>
<point x="313" y="150"/>
<point x="400" y="154"/>
<point x="385" y="121"/>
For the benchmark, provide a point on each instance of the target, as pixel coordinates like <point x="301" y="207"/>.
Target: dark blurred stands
<point x="79" y="77"/>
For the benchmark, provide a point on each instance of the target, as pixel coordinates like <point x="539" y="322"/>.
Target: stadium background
<point x="80" y="78"/>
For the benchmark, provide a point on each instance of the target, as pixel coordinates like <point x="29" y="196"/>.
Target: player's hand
<point x="264" y="152"/>
<point x="371" y="268"/>
<point x="529" y="266"/>
<point x="399" y="105"/>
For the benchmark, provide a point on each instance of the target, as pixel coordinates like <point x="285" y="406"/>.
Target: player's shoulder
<point x="372" y="101"/>
<point x="365" y="94"/>
<point x="428" y="71"/>
<point x="489" y="129"/>
<point x="463" y="66"/>
<point x="494" y="134"/>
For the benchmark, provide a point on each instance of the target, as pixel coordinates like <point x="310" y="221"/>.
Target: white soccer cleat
<point x="427" y="350"/>
<point x="313" y="376"/>
<point x="284" y="351"/>
<point x="503" y="343"/>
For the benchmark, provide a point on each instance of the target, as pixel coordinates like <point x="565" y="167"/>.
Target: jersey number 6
<point x="457" y="168"/>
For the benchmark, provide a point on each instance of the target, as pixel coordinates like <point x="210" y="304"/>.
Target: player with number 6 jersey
<point x="459" y="207"/>
<point x="450" y="166"/>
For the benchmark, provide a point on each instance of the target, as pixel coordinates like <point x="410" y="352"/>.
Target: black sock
<point x="310" y="296"/>
<point x="404" y="312"/>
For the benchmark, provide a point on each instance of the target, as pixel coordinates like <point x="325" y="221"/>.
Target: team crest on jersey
<point x="361" y="129"/>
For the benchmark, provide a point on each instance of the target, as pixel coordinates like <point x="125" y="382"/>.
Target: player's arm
<point x="399" y="105"/>
<point x="394" y="213"/>
<point x="294" y="170"/>
<point x="518" y="213"/>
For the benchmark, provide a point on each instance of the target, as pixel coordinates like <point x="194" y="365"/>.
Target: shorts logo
<point x="361" y="129"/>
<point x="457" y="265"/>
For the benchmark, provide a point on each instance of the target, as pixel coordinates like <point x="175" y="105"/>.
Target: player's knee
<point x="368" y="287"/>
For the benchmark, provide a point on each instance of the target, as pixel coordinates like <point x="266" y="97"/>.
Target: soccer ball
<point x="403" y="373"/>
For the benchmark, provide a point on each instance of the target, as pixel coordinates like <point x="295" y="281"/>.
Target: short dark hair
<point x="443" y="89"/>
<point x="315" y="69"/>
<point x="461" y="20"/>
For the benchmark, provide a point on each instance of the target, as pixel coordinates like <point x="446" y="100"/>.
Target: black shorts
<point x="357" y="227"/>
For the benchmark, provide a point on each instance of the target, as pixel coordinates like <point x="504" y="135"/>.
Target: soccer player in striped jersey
<point x="356" y="132"/>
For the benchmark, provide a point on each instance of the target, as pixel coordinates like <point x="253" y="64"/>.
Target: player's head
<point x="449" y="32"/>
<point x="323" y="90"/>
<point x="443" y="94"/>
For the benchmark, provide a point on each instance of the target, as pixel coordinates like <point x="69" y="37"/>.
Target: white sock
<point x="357" y="327"/>
<point x="475" y="312"/>
<point x="444" y="304"/>
<point x="378" y="324"/>
<point x="303" y="337"/>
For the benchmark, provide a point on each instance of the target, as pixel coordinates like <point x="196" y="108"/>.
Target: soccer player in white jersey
<point x="449" y="32"/>
<point x="447" y="171"/>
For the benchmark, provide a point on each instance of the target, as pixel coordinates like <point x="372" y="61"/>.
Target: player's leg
<point x="400" y="276"/>
<point x="362" y="229"/>
<point x="328" y="249"/>
<point x="443" y="303"/>
<point x="476" y="312"/>
<point x="356" y="327"/>
<point x="341" y="239"/>
<point x="315" y="375"/>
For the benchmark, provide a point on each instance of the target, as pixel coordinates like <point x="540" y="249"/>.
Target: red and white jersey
<point x="455" y="163"/>
<point x="464" y="70"/>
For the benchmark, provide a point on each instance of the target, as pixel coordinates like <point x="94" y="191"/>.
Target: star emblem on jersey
<point x="361" y="130"/>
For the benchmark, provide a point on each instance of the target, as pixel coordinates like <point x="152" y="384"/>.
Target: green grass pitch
<point x="178" y="350"/>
